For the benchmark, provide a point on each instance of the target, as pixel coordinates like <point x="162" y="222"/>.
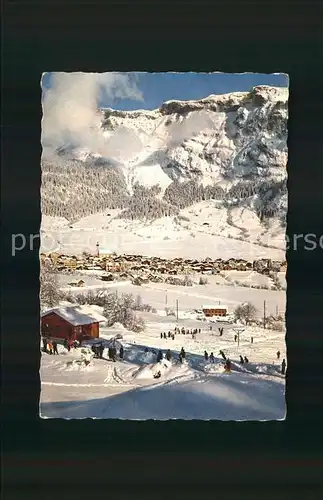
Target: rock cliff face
<point x="233" y="147"/>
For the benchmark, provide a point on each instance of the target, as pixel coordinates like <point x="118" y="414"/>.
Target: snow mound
<point x="148" y="371"/>
<point x="213" y="368"/>
<point x="82" y="360"/>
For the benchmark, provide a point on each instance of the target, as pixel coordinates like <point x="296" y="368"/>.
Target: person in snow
<point x="246" y="360"/>
<point x="173" y="337"/>
<point x="241" y="360"/>
<point x="121" y="352"/>
<point x="221" y="331"/>
<point x="169" y="334"/>
<point x="183" y="353"/>
<point x="146" y="349"/>
<point x="168" y="355"/>
<point x="223" y="355"/>
<point x="45" y="345"/>
<point x="283" y="369"/>
<point x="165" y="335"/>
<point x="158" y="374"/>
<point x="227" y="365"/>
<point x="199" y="330"/>
<point x="55" y="350"/>
<point x="210" y="327"/>
<point x="159" y="356"/>
<point x="206" y="356"/>
<point x="161" y="335"/>
<point x="278" y="354"/>
<point x="235" y="337"/>
<point x="251" y="340"/>
<point x="50" y="347"/>
<point x="100" y="350"/>
<point x="114" y="354"/>
<point x="212" y="357"/>
<point x="180" y="357"/>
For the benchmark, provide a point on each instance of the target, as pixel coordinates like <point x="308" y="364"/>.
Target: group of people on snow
<point x="112" y="352"/>
<point x="243" y="359"/>
<point x="50" y="346"/>
<point x="208" y="357"/>
<point x="177" y="330"/>
<point x="168" y="355"/>
<point x="170" y="335"/>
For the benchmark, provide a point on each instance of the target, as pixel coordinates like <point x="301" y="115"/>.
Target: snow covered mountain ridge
<point x="231" y="148"/>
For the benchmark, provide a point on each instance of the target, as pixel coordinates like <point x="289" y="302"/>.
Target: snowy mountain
<point x="230" y="149"/>
<point x="219" y="139"/>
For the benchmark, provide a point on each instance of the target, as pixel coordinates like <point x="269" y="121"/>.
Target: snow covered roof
<point x="214" y="306"/>
<point x="77" y="315"/>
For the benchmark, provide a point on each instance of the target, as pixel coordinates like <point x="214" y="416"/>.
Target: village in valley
<point x="162" y="255"/>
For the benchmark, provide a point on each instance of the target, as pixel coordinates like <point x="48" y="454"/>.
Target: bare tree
<point x="187" y="281"/>
<point x="49" y="286"/>
<point x="245" y="312"/>
<point x="121" y="310"/>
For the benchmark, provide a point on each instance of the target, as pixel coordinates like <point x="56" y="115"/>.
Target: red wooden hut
<point x="215" y="310"/>
<point x="71" y="323"/>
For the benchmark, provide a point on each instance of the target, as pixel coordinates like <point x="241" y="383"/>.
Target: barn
<point x="214" y="310"/>
<point x="71" y="322"/>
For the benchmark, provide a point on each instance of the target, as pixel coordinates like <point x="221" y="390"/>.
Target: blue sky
<point x="160" y="87"/>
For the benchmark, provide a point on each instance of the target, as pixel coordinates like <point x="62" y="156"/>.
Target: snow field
<point x="189" y="297"/>
<point x="127" y="389"/>
<point x="167" y="237"/>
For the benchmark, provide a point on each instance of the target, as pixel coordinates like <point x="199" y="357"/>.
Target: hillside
<point x="229" y="149"/>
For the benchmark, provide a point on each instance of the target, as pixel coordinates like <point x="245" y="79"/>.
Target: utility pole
<point x="177" y="309"/>
<point x="238" y="331"/>
<point x="264" y="314"/>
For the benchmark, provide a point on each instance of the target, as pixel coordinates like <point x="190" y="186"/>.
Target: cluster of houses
<point x="123" y="264"/>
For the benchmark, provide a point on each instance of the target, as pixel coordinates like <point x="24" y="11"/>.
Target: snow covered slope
<point x="196" y="389"/>
<point x="230" y="148"/>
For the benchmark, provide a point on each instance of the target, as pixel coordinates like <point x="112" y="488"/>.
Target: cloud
<point x="195" y="123"/>
<point x="70" y="108"/>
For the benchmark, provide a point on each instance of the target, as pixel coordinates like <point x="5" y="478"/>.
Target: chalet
<point x="78" y="283"/>
<point x="71" y="322"/>
<point x="214" y="310"/>
<point x="108" y="277"/>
